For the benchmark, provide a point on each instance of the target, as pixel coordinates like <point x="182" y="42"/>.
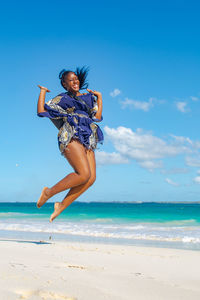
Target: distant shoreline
<point x="127" y="202"/>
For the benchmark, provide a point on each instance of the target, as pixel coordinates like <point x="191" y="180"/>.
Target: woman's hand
<point x="98" y="94"/>
<point x="43" y="88"/>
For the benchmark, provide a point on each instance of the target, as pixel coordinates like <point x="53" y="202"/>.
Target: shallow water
<point x="159" y="224"/>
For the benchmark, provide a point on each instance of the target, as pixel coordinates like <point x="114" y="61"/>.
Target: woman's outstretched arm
<point x="41" y="99"/>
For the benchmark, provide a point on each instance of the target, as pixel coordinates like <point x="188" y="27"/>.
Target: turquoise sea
<point x="175" y="225"/>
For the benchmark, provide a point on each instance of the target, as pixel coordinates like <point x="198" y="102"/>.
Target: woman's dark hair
<point x="81" y="74"/>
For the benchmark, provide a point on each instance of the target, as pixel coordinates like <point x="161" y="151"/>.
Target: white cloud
<point x="181" y="106"/>
<point x="168" y="180"/>
<point x="141" y="145"/>
<point x="151" y="165"/>
<point x="104" y="158"/>
<point x="194" y="98"/>
<point x="17" y="165"/>
<point x="192" y="161"/>
<point x="175" y="171"/>
<point x="186" y="140"/>
<point x="144" y="147"/>
<point x="196" y="144"/>
<point x="182" y="139"/>
<point x="197" y="179"/>
<point x="115" y="93"/>
<point x="135" y="104"/>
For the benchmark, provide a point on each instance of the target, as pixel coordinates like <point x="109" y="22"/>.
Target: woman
<point x="74" y="114"/>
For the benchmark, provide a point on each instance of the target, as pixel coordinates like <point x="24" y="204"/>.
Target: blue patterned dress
<point x="75" y="118"/>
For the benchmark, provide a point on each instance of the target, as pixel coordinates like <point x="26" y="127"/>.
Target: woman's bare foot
<point x="58" y="208"/>
<point x="43" y="197"/>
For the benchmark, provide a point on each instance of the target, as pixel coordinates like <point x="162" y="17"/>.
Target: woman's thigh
<point x="76" y="155"/>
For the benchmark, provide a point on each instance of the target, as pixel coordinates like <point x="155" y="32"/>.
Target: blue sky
<point x="143" y="58"/>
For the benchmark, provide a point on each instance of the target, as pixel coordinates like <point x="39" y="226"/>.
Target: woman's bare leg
<point x="75" y="192"/>
<point x="77" y="157"/>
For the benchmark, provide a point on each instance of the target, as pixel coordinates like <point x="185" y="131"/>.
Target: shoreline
<point x="86" y="271"/>
<point x="70" y="238"/>
<point x="91" y="243"/>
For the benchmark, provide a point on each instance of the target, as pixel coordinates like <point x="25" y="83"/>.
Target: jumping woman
<point x="74" y="114"/>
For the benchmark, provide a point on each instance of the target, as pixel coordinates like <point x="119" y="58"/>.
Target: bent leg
<point x="77" y="157"/>
<point x="75" y="192"/>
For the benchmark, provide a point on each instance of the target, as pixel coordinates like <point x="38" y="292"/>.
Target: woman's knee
<point x="92" y="180"/>
<point x="85" y="175"/>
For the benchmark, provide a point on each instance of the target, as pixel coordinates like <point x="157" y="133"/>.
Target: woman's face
<point x="71" y="82"/>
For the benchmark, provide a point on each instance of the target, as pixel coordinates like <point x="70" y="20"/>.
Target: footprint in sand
<point x="136" y="274"/>
<point x="140" y="274"/>
<point x="76" y="266"/>
<point x="25" y="294"/>
<point x="17" y="264"/>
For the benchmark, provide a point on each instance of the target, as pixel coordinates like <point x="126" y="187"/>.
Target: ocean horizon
<point x="164" y="224"/>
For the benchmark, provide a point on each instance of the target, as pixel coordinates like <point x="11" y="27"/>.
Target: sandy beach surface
<point x="84" y="271"/>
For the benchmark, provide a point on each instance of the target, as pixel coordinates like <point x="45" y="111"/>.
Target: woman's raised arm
<point x="98" y="114"/>
<point x="41" y="99"/>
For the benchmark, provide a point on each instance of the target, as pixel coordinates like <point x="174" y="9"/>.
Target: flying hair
<point x="81" y="73"/>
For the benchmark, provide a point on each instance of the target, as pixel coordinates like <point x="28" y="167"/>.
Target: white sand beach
<point x="83" y="271"/>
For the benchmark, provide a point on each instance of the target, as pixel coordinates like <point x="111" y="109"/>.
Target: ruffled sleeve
<point x="94" y="109"/>
<point x="53" y="109"/>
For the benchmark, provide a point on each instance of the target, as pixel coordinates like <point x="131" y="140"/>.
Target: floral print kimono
<point x="75" y="118"/>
